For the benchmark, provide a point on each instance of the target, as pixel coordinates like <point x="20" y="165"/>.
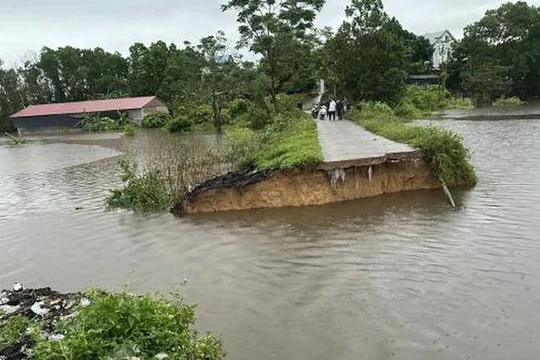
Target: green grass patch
<point x="444" y="149"/>
<point x="289" y="142"/>
<point x="292" y="143"/>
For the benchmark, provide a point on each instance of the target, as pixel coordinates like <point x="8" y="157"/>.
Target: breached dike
<point x="333" y="181"/>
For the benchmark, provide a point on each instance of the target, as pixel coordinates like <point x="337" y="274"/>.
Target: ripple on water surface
<point x="401" y="276"/>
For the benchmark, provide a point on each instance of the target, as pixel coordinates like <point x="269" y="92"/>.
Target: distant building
<point x="223" y="59"/>
<point x="423" y="80"/>
<point x="53" y="117"/>
<point x="442" y="42"/>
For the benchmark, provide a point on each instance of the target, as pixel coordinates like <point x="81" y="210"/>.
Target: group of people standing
<point x="329" y="109"/>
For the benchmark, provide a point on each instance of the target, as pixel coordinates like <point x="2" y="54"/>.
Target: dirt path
<point x="343" y="140"/>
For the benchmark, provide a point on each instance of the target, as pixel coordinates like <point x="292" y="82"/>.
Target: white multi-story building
<point x="442" y="42"/>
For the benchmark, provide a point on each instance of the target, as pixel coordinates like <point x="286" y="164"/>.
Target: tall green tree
<point x="10" y="97"/>
<point x="371" y="57"/>
<point x="500" y="53"/>
<point x="215" y="75"/>
<point x="148" y="66"/>
<point x="268" y="26"/>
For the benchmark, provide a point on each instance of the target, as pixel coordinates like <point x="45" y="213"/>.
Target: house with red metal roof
<point x="62" y="116"/>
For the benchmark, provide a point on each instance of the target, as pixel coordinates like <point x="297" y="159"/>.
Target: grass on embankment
<point x="444" y="149"/>
<point x="291" y="143"/>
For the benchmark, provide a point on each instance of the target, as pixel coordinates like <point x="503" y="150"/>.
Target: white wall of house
<point x="136" y="115"/>
<point x="443" y="49"/>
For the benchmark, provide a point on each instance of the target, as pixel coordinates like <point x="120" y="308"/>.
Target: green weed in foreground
<point x="291" y="144"/>
<point x="124" y="326"/>
<point x="444" y="149"/>
<point x="12" y="330"/>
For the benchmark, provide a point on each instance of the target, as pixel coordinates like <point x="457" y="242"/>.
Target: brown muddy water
<point x="396" y="277"/>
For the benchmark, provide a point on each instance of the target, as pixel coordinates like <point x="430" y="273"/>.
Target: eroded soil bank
<point x="254" y="190"/>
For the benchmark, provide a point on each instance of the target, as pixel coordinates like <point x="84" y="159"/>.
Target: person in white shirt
<point x="332" y="110"/>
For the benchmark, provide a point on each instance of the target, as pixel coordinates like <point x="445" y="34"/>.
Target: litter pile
<point x="43" y="305"/>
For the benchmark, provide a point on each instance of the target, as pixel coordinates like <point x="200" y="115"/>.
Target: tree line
<point x="367" y="58"/>
<point x="499" y="55"/>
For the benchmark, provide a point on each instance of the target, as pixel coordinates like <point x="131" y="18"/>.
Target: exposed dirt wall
<point x="316" y="187"/>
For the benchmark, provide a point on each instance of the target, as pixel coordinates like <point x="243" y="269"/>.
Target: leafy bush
<point x="165" y="176"/>
<point x="426" y="98"/>
<point x="96" y="123"/>
<point x="179" y="123"/>
<point x="258" y="117"/>
<point x="448" y="157"/>
<point x="238" y="107"/>
<point x="511" y="101"/>
<point x="155" y="120"/>
<point x="12" y="330"/>
<point x="129" y="130"/>
<point x="376" y="110"/>
<point x="201" y="114"/>
<point x="407" y="110"/>
<point x="146" y="192"/>
<point x="124" y="326"/>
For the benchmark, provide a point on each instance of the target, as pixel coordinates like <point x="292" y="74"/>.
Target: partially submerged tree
<point x="267" y="26"/>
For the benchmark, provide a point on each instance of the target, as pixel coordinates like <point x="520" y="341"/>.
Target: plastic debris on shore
<point x="45" y="305"/>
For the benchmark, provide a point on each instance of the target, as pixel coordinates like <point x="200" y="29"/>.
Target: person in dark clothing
<point x="340" y="109"/>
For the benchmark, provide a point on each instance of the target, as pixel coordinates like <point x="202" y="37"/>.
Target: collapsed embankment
<point x="331" y="182"/>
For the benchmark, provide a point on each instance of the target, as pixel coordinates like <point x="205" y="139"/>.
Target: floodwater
<point x="396" y="277"/>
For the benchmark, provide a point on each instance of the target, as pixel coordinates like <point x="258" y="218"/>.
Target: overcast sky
<point x="28" y="25"/>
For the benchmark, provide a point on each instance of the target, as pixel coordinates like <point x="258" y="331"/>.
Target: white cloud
<point x="28" y="25"/>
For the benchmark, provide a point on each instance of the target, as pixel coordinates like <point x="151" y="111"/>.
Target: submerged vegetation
<point x="16" y="140"/>
<point x="510" y="101"/>
<point x="109" y="326"/>
<point x="444" y="149"/>
<point x="98" y="123"/>
<point x="287" y="140"/>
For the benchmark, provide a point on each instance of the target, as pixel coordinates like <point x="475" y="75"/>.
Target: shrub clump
<point x="96" y="123"/>
<point x="163" y="177"/>
<point x="511" y="101"/>
<point x="444" y="149"/>
<point x="129" y="130"/>
<point x="180" y="123"/>
<point x="141" y="192"/>
<point x="155" y="120"/>
<point x="124" y="326"/>
<point x="111" y="326"/>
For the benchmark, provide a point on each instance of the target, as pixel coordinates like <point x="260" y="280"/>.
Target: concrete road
<point x="342" y="140"/>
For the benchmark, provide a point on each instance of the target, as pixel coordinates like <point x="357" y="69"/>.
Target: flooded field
<point x="395" y="277"/>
